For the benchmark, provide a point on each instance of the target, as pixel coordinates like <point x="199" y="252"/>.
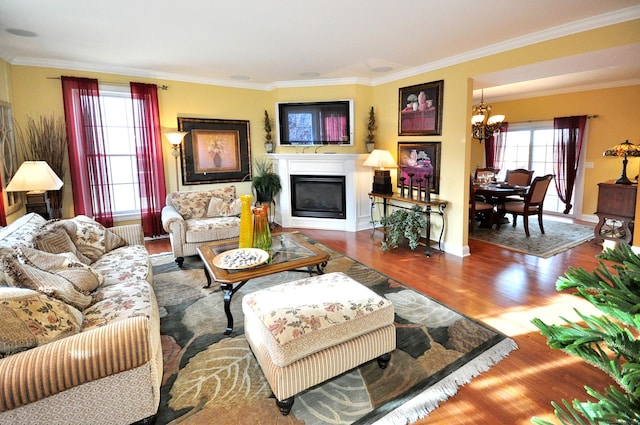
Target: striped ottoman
<point x="310" y="330"/>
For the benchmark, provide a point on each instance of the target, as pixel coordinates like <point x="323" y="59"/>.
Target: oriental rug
<point x="558" y="236"/>
<point x="210" y="378"/>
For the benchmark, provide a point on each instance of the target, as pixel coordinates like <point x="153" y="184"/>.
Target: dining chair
<point x="487" y="172"/>
<point x="532" y="203"/>
<point x="518" y="177"/>
<point x="478" y="207"/>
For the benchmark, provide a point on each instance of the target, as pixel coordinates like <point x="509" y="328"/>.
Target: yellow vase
<point x="261" y="231"/>
<point x="246" y="223"/>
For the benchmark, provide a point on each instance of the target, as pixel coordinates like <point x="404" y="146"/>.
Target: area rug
<point x="213" y="378"/>
<point x="558" y="236"/>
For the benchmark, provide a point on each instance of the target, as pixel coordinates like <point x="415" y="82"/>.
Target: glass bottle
<point x="246" y="222"/>
<point x="261" y="231"/>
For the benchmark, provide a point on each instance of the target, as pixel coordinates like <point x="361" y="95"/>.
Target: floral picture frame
<point x="420" y="109"/>
<point x="419" y="162"/>
<point x="215" y="150"/>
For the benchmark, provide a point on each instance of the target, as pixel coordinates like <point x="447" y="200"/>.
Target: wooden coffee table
<point x="289" y="252"/>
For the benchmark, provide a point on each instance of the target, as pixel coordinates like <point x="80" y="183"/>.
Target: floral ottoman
<point x="310" y="330"/>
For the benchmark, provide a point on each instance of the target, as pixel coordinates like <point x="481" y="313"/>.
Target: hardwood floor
<point x="504" y="289"/>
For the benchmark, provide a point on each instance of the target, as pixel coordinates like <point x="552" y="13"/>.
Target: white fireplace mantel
<point x="357" y="184"/>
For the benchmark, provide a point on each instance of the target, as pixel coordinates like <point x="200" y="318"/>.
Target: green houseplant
<point x="403" y="224"/>
<point x="609" y="342"/>
<point x="265" y="182"/>
<point x="371" y="127"/>
<point x="268" y="143"/>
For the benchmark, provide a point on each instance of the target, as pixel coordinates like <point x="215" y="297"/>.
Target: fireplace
<point x="318" y="196"/>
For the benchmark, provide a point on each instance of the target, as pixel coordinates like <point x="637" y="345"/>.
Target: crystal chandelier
<point x="483" y="124"/>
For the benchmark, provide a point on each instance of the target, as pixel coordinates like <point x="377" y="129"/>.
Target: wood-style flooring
<point x="504" y="289"/>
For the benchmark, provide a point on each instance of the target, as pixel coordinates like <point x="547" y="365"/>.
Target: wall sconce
<point x="624" y="150"/>
<point x="483" y="124"/>
<point x="175" y="138"/>
<point x="35" y="178"/>
<point x="381" y="178"/>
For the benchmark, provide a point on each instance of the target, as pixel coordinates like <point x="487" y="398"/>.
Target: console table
<point x="426" y="206"/>
<point x="616" y="204"/>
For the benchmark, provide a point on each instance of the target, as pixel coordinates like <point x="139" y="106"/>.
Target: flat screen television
<point x="315" y="123"/>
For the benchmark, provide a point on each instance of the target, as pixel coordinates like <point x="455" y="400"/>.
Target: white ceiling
<point x="265" y="44"/>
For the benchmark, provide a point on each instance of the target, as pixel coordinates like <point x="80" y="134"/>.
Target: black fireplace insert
<point x="318" y="196"/>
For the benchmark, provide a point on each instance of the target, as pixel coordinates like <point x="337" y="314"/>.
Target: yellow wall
<point x="34" y="94"/>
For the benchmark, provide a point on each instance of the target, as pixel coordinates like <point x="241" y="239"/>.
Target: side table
<point x="616" y="211"/>
<point x="427" y="209"/>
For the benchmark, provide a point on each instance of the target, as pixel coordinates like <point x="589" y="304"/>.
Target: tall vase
<point x="261" y="231"/>
<point x="246" y="222"/>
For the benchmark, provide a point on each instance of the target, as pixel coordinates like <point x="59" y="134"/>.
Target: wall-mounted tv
<point x="315" y="123"/>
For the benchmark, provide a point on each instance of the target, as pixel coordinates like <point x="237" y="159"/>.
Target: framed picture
<point x="420" y="109"/>
<point x="419" y="166"/>
<point x="215" y="151"/>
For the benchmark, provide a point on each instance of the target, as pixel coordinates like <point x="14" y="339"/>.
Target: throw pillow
<point x="56" y="240"/>
<point x="21" y="231"/>
<point x="21" y="275"/>
<point x="91" y="238"/>
<point x="30" y="319"/>
<point x="219" y="207"/>
<point x="84" y="278"/>
<point x="191" y="204"/>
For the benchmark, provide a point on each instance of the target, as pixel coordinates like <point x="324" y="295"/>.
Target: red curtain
<point x="3" y="216"/>
<point x="88" y="164"/>
<point x="567" y="144"/>
<point x="335" y="126"/>
<point x="146" y="120"/>
<point x="495" y="146"/>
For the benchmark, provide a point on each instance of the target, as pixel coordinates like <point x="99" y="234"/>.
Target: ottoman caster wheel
<point x="285" y="405"/>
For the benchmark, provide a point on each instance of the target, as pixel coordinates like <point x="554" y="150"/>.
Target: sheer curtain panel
<point x="148" y="138"/>
<point x="567" y="143"/>
<point x="87" y="162"/>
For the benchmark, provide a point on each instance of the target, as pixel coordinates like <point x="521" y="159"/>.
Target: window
<point x="530" y="146"/>
<point x="117" y="118"/>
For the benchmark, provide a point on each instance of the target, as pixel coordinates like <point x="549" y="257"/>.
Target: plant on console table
<point x="403" y="224"/>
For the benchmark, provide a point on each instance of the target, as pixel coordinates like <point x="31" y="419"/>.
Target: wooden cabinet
<point x="616" y="211"/>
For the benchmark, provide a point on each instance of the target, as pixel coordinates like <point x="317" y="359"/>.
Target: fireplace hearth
<point x="318" y="196"/>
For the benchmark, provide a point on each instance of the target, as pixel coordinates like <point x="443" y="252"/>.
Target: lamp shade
<point x="34" y="176"/>
<point x="380" y="158"/>
<point x="623" y="149"/>
<point x="175" y="137"/>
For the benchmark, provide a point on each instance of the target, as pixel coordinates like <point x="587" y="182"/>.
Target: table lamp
<point x="623" y="149"/>
<point x="35" y="178"/>
<point x="381" y="179"/>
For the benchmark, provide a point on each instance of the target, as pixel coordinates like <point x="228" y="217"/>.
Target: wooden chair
<point x="519" y="177"/>
<point x="477" y="207"/>
<point x="487" y="171"/>
<point x="532" y="204"/>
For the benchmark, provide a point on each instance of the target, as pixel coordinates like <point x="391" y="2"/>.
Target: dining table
<point x="496" y="193"/>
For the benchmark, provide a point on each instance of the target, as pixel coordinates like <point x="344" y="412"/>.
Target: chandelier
<point x="483" y="124"/>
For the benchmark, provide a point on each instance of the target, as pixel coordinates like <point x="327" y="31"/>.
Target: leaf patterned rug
<point x="558" y="236"/>
<point x="212" y="378"/>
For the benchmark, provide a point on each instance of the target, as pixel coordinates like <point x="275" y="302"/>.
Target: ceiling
<point x="265" y="44"/>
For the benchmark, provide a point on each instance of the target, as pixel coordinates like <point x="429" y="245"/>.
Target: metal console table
<point x="427" y="208"/>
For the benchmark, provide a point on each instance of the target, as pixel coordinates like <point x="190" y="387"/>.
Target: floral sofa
<point x="80" y="334"/>
<point x="193" y="218"/>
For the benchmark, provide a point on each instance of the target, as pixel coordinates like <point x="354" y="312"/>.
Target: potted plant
<point x="268" y="143"/>
<point x="403" y="224"/>
<point x="265" y="182"/>
<point x="371" y="126"/>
